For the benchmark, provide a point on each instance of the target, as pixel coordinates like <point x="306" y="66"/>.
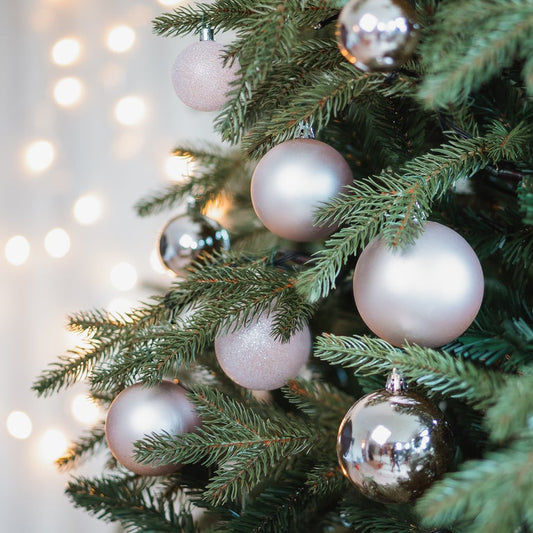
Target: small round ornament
<point x="254" y="359"/>
<point x="378" y="35"/>
<point x="291" y="181"/>
<point x="185" y="237"/>
<point x="199" y="76"/>
<point x="139" y="411"/>
<point x="392" y="444"/>
<point x="427" y="293"/>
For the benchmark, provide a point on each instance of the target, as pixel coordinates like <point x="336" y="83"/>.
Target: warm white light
<point x="380" y="434"/>
<point x="87" y="209"/>
<point x="19" y="425"/>
<point x="66" y="51"/>
<point x="68" y="91"/>
<point x="179" y="168"/>
<point x="57" y="242"/>
<point x="156" y="264"/>
<point x="170" y="3"/>
<point x="39" y="155"/>
<point x="123" y="276"/>
<point x="130" y="110"/>
<point x="52" y="445"/>
<point x="84" y="409"/>
<point x="120" y="39"/>
<point x="17" y="250"/>
<point x="120" y="306"/>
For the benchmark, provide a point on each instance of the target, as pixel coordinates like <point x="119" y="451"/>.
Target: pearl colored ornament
<point x="377" y="35"/>
<point x="139" y="411"/>
<point x="427" y="293"/>
<point x="184" y="238"/>
<point x="291" y="181"/>
<point x="393" y="444"/>
<point x="255" y="360"/>
<point x="200" y="78"/>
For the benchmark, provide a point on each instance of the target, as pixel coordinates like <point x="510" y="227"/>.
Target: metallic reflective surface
<point x="139" y="411"/>
<point x="392" y="446"/>
<point x="427" y="293"/>
<point x="185" y="237"/>
<point x="377" y="35"/>
<point x="291" y="181"/>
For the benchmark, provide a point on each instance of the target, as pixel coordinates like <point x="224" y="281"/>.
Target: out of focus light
<point x="66" y="51"/>
<point x="156" y="264"/>
<point x="84" y="410"/>
<point x="120" y="306"/>
<point x="52" y="445"/>
<point x="17" y="250"/>
<point x="87" y="209"/>
<point x="19" y="425"/>
<point x="170" y="3"/>
<point x="123" y="276"/>
<point x="218" y="208"/>
<point x="179" y="168"/>
<point x="120" y="39"/>
<point x="39" y="155"/>
<point x="130" y="110"/>
<point x="57" y="243"/>
<point x="68" y="91"/>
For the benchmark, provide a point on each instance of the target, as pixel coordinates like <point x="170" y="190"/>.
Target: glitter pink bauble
<point x="255" y="360"/>
<point x="199" y="77"/>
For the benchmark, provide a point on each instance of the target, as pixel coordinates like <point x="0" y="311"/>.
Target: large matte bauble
<point x="139" y="411"/>
<point x="377" y="35"/>
<point x="185" y="238"/>
<point x="427" y="293"/>
<point x="200" y="78"/>
<point x="392" y="446"/>
<point x="254" y="359"/>
<point x="291" y="181"/>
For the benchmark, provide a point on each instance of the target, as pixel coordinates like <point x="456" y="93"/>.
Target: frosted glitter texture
<point x="255" y="360"/>
<point x="199" y="77"/>
<point x="428" y="293"/>
<point x="291" y="181"/>
<point x="378" y="35"/>
<point x="139" y="411"/>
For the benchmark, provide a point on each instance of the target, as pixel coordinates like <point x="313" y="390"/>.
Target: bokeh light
<point x="57" y="243"/>
<point x="52" y="445"/>
<point x="85" y="410"/>
<point x="123" y="276"/>
<point x="130" y="110"/>
<point x="120" y="38"/>
<point x="170" y="3"/>
<point x="17" y="250"/>
<point x="66" y="51"/>
<point x="19" y="425"/>
<point x="179" y="168"/>
<point x="68" y="91"/>
<point x="39" y="155"/>
<point x="87" y="209"/>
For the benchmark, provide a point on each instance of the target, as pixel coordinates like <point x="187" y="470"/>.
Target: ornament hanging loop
<point x="305" y="130"/>
<point x="396" y="382"/>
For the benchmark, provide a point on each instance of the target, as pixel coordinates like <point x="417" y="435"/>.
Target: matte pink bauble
<point x="427" y="293"/>
<point x="200" y="78"/>
<point x="255" y="360"/>
<point x="139" y="411"/>
<point x="291" y="181"/>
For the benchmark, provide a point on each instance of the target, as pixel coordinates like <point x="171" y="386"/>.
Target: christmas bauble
<point x="291" y="181"/>
<point x="392" y="444"/>
<point x="185" y="237"/>
<point x="200" y="78"/>
<point x="427" y="293"/>
<point x="377" y="35"/>
<point x="139" y="411"/>
<point x="254" y="359"/>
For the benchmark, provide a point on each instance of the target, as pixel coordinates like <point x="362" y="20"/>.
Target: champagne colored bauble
<point x="393" y="444"/>
<point x="378" y="35"/>
<point x="200" y="78"/>
<point x="139" y="411"/>
<point x="254" y="359"/>
<point x="427" y="293"/>
<point x="291" y="181"/>
<point x="185" y="237"/>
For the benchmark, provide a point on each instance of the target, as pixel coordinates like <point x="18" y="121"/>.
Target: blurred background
<point x="88" y="121"/>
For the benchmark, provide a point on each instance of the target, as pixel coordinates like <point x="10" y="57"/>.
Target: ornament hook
<point x="306" y="130"/>
<point x="396" y="382"/>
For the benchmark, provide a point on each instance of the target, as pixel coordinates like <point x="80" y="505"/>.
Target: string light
<point x="85" y="410"/>
<point x="130" y="110"/>
<point x="170" y="3"/>
<point x="66" y="51"/>
<point x="57" y="242"/>
<point x="19" y="425"/>
<point x="120" y="39"/>
<point x="156" y="264"/>
<point x="17" y="250"/>
<point x="39" y="156"/>
<point x="179" y="168"/>
<point x="87" y="209"/>
<point x="68" y="91"/>
<point x="123" y="276"/>
<point x="52" y="445"/>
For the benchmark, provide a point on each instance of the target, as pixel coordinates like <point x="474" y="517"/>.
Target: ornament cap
<point x="396" y="382"/>
<point x="207" y="34"/>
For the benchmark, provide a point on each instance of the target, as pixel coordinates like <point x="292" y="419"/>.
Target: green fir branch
<point x="87" y="444"/>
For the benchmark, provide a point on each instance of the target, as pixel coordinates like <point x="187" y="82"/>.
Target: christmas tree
<point x="377" y="164"/>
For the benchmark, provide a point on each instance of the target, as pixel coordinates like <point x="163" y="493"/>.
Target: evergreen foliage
<point x="446" y="137"/>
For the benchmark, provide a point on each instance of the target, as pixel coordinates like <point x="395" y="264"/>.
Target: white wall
<point x="94" y="154"/>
